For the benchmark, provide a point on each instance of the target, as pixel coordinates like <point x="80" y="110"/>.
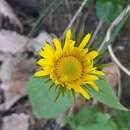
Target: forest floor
<point x="17" y="55"/>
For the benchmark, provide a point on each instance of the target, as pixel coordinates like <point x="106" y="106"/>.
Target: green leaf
<point x="88" y="112"/>
<point x="89" y="118"/>
<point x="110" y="125"/>
<point x="86" y="115"/>
<point x="108" y="10"/>
<point x="122" y="120"/>
<point x="81" y="33"/>
<point x="42" y="99"/>
<point x="105" y="95"/>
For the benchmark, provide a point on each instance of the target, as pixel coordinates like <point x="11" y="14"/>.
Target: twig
<point x="95" y="33"/>
<point x="119" y="92"/>
<point x="0" y="21"/>
<point x="120" y="65"/>
<point x="106" y="41"/>
<point x="108" y="36"/>
<point x="114" y="23"/>
<point x="68" y="7"/>
<point x="75" y="16"/>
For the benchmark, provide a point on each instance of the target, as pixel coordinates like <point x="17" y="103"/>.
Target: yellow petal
<point x="57" y="44"/>
<point x="90" y="77"/>
<point x="46" y="51"/>
<point x="67" y="40"/>
<point x="45" y="62"/>
<point x="79" y="89"/>
<point x="97" y="72"/>
<point x="88" y="65"/>
<point x="92" y="54"/>
<point x="84" y="51"/>
<point x="48" y="47"/>
<point x="94" y="86"/>
<point x="41" y="53"/>
<point x="71" y="46"/>
<point x="41" y="73"/>
<point x="85" y="41"/>
<point x="40" y="62"/>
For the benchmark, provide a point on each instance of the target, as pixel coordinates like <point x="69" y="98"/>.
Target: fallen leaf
<point x="12" y="42"/>
<point x="26" y="7"/>
<point x="23" y="69"/>
<point x="112" y="75"/>
<point x="14" y="80"/>
<point x="8" y="65"/>
<point x="16" y="70"/>
<point x="16" y="122"/>
<point x="7" y="11"/>
<point x="9" y="97"/>
<point x="18" y="87"/>
<point x="41" y="39"/>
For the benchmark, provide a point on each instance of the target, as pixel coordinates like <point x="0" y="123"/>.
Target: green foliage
<point x="42" y="99"/>
<point x="90" y="118"/>
<point x="122" y="119"/>
<point x="105" y="95"/>
<point x="45" y="106"/>
<point x="124" y="2"/>
<point x="108" y="10"/>
<point x="80" y="34"/>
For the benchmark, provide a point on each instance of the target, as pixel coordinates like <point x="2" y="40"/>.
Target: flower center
<point x="68" y="69"/>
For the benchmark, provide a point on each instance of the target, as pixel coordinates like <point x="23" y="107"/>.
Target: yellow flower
<point x="69" y="67"/>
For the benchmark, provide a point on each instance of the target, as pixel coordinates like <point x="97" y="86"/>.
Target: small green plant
<point x="69" y="68"/>
<point x="91" y="118"/>
<point x="64" y="72"/>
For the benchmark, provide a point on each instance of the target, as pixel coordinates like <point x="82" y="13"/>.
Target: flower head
<point x="70" y="67"/>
